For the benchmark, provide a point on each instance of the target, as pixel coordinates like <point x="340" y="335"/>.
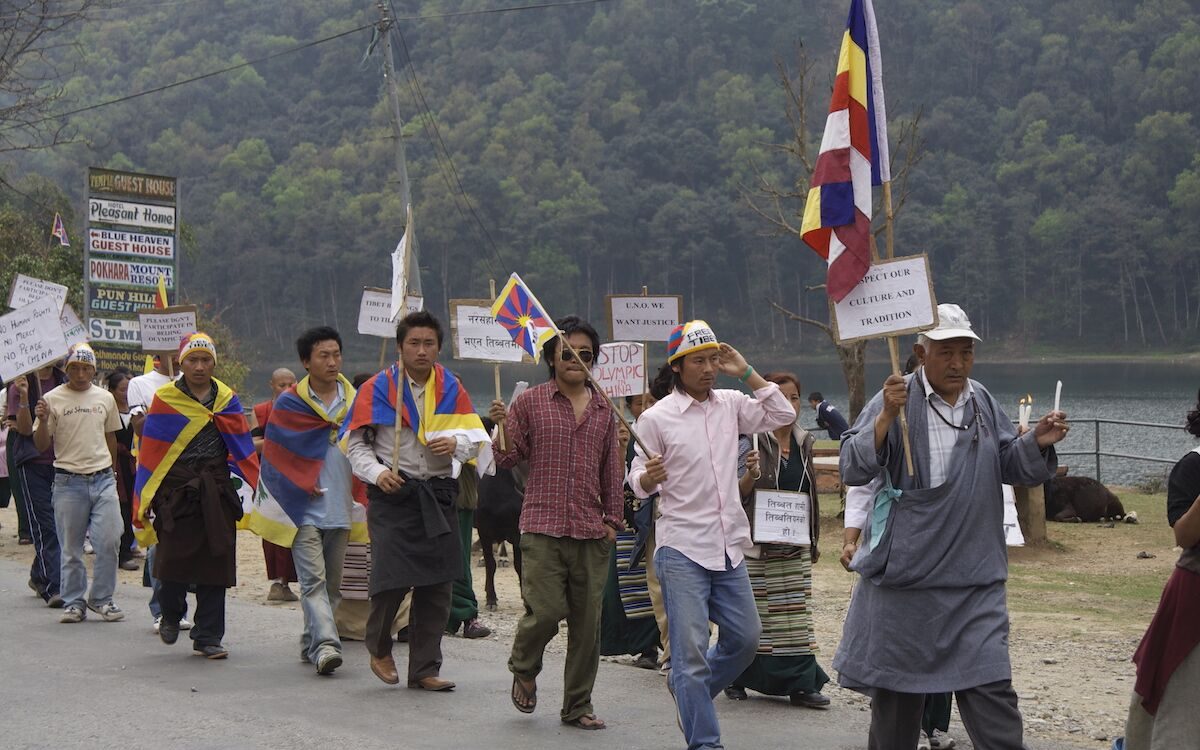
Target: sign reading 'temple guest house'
<point x="131" y="242"/>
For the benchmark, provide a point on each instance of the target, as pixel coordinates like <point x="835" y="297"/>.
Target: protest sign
<point x="620" y="369"/>
<point x="375" y="312"/>
<point x="476" y="334"/>
<point x="163" y="328"/>
<point x="72" y="327"/>
<point x="781" y="517"/>
<point x="30" y="337"/>
<point x="632" y="317"/>
<point x="27" y="289"/>
<point x="894" y="298"/>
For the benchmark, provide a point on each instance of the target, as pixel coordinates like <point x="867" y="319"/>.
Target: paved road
<point x="115" y="685"/>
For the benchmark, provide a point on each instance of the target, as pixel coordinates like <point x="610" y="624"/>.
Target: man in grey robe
<point x="929" y="614"/>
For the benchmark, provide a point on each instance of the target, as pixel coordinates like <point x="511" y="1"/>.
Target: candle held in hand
<point x="1057" y="395"/>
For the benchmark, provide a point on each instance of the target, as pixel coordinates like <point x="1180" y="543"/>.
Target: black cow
<point x="1081" y="499"/>
<point x="497" y="519"/>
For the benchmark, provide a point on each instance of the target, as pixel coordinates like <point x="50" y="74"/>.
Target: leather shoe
<point x="811" y="699"/>
<point x="736" y="693"/>
<point x="168" y="632"/>
<point x="211" y="651"/>
<point x="473" y="628"/>
<point x="384" y="668"/>
<point x="432" y="684"/>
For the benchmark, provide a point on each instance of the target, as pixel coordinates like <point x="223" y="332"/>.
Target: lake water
<point x="1157" y="391"/>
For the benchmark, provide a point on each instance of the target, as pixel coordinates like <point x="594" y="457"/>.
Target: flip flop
<point x="522" y="699"/>
<point x="592" y="723"/>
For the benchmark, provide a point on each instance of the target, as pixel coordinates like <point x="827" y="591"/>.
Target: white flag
<point x="400" y="261"/>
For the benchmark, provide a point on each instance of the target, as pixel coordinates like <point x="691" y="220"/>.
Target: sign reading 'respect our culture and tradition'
<point x="635" y="318"/>
<point x="620" y="369"/>
<point x="893" y="299"/>
<point x="30" y="337"/>
<point x="132" y="241"/>
<point x="477" y="335"/>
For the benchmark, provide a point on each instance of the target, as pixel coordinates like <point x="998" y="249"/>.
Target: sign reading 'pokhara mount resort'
<point x="132" y="241"/>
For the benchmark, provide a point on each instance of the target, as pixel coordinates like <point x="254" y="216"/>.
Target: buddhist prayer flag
<point x="59" y="230"/>
<point x="853" y="157"/>
<point x="523" y="317"/>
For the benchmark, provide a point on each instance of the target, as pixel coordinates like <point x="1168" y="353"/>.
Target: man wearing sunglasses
<point x="573" y="508"/>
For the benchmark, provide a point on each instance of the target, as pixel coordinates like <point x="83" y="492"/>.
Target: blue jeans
<point x="83" y="504"/>
<point x="693" y="596"/>
<point x="318" y="555"/>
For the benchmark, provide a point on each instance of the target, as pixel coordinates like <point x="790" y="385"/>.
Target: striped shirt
<point x="942" y="436"/>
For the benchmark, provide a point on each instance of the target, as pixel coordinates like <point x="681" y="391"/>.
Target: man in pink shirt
<point x="692" y="435"/>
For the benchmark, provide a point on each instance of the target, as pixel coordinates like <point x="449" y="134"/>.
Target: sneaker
<point x="939" y="741"/>
<point x="923" y="743"/>
<point x="157" y="622"/>
<point x="168" y="632"/>
<point x="736" y="693"/>
<point x="328" y="661"/>
<point x="73" y="613"/>
<point x="88" y="549"/>
<point x="55" y="602"/>
<point x="212" y="651"/>
<point x="281" y="592"/>
<point x="109" y="611"/>
<point x="185" y="623"/>
<point x="473" y="628"/>
<point x="130" y="564"/>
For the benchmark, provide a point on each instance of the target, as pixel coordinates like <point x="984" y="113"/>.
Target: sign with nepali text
<point x="894" y="298"/>
<point x="477" y="335"/>
<point x="72" y="327"/>
<point x="141" y="244"/>
<point x="635" y="318"/>
<point x="27" y="289"/>
<point x="620" y="369"/>
<point x="375" y="312"/>
<point x="131" y="214"/>
<point x="30" y="337"/>
<point x="781" y="517"/>
<point x="163" y="328"/>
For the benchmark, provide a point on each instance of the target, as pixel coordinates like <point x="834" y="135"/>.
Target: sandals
<point x="524" y="700"/>
<point x="587" y="721"/>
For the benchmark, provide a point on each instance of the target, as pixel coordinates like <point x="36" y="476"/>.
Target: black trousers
<point x="426" y="623"/>
<point x="208" y="625"/>
<point x="989" y="713"/>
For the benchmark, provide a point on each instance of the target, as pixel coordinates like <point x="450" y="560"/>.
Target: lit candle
<point x="1023" y="413"/>
<point x="1057" y="395"/>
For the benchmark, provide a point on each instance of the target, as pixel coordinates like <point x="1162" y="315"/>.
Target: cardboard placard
<point x="27" y="289"/>
<point x="632" y="317"/>
<point x="476" y="334"/>
<point x="162" y="329"/>
<point x="375" y="311"/>
<point x="893" y="299"/>
<point x="620" y="369"/>
<point x="781" y="517"/>
<point x="30" y="337"/>
<point x="72" y="327"/>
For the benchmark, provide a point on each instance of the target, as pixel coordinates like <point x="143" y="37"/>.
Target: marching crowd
<point x="640" y="537"/>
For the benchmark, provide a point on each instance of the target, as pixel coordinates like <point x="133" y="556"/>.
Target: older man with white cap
<point x="82" y="419"/>
<point x="929" y="614"/>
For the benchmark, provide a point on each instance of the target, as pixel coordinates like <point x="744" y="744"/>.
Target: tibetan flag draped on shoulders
<point x="173" y="420"/>
<point x="853" y="158"/>
<point x="445" y="410"/>
<point x="523" y="317"/>
<point x="296" y="442"/>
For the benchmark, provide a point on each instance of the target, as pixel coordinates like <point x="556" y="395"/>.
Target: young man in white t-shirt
<point x="82" y="420"/>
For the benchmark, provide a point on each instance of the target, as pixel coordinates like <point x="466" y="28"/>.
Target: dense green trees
<point x="604" y="147"/>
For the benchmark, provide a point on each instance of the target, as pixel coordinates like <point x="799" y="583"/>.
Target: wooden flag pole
<point x="893" y="346"/>
<point x="399" y="384"/>
<point x="382" y="352"/>
<point x="496" y="372"/>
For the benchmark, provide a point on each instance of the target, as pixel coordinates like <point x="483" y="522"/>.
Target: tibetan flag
<point x="296" y="444"/>
<point x="59" y="230"/>
<point x="854" y="157"/>
<point x="173" y="421"/>
<point x="445" y="410"/>
<point x="523" y="317"/>
<point x="160" y="293"/>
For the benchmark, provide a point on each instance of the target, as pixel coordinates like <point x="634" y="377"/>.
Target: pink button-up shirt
<point x="701" y="507"/>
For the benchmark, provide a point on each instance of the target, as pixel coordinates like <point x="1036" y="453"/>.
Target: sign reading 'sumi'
<point x="131" y="214"/>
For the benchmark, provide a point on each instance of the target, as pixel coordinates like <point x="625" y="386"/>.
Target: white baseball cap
<point x="953" y="323"/>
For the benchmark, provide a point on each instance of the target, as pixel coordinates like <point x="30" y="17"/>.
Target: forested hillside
<point x="603" y="147"/>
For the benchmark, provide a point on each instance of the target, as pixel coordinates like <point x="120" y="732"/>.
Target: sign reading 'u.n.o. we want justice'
<point x="131" y="214"/>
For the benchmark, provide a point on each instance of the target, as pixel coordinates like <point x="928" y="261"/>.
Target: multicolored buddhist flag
<point x="854" y="157"/>
<point x="523" y="317"/>
<point x="59" y="230"/>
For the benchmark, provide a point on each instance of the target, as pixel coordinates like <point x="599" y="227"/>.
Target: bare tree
<point x="32" y="70"/>
<point x="782" y="206"/>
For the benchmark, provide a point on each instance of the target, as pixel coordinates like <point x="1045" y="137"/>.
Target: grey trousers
<point x="989" y="713"/>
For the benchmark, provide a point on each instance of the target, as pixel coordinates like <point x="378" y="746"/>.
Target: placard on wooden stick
<point x="30" y="337"/>
<point x="27" y="289"/>
<point x="476" y="335"/>
<point x="375" y="311"/>
<point x="894" y="298"/>
<point x="632" y="317"/>
<point x="163" y="328"/>
<point x="620" y="369"/>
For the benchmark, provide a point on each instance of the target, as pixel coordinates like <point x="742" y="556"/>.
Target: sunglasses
<point x="584" y="356"/>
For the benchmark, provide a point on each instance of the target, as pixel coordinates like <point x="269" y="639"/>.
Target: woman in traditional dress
<point x="781" y="574"/>
<point x="1163" y="711"/>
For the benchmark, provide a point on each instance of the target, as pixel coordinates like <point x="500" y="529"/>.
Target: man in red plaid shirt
<point x="572" y="511"/>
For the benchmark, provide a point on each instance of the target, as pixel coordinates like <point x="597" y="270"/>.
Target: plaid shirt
<point x="575" y="468"/>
